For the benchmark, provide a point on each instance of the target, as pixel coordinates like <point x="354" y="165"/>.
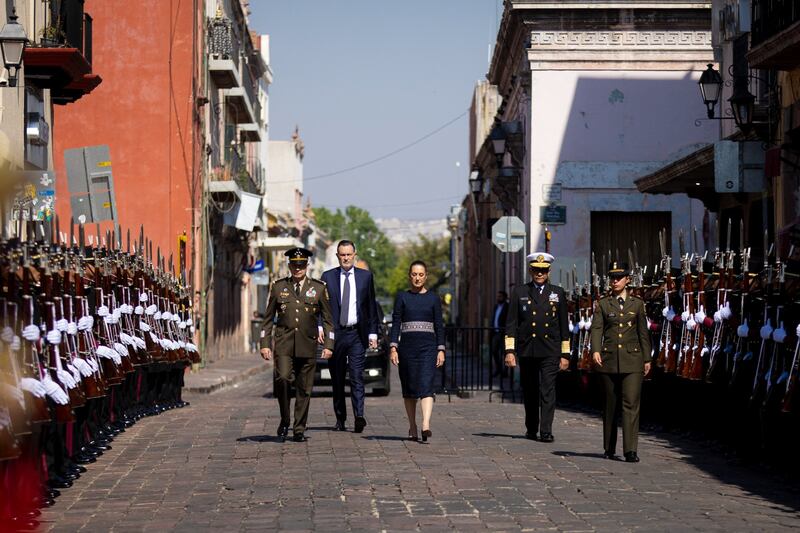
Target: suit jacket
<point x="621" y="337"/>
<point x="538" y="324"/>
<point x="365" y="299"/>
<point x="503" y="318"/>
<point x="291" y="318"/>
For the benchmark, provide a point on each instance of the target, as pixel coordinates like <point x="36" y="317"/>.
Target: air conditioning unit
<point x="738" y="166"/>
<point x="37" y="131"/>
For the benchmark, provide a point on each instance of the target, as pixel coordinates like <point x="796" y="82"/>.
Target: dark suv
<point x="377" y="368"/>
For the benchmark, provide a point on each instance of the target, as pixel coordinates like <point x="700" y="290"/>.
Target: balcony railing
<point x="68" y="26"/>
<point x="770" y="17"/>
<point x="222" y="42"/>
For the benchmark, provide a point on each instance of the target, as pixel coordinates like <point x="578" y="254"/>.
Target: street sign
<point x="553" y="214"/>
<point x="508" y="234"/>
<point x="551" y="193"/>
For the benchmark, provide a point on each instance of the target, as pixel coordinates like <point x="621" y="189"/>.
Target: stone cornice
<point x="614" y="50"/>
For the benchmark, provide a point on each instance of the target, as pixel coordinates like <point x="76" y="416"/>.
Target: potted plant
<point x="52" y="36"/>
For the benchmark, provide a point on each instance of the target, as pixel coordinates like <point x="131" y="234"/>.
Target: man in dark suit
<point x="355" y="316"/>
<point x="537" y="335"/>
<point x="296" y="305"/>
<point x="499" y="317"/>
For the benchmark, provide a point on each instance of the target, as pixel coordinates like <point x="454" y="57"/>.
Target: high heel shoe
<point x="425" y="434"/>
<point x="412" y="435"/>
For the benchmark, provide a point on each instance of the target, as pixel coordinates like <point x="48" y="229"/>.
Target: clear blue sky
<point x="363" y="78"/>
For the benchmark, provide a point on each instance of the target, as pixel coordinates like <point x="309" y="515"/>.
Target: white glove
<point x="108" y="353"/>
<point x="66" y="379"/>
<point x="55" y="392"/>
<point x="121" y="349"/>
<point x="766" y="330"/>
<point x="700" y="316"/>
<point x="83" y="367"/>
<point x="34" y="386"/>
<point x="76" y="374"/>
<point x="779" y="335"/>
<point x="31" y="333"/>
<point x="685" y="316"/>
<point x="670" y="314"/>
<point x="725" y="311"/>
<point x="743" y="330"/>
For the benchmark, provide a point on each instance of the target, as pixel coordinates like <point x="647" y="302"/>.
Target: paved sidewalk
<point x="225" y="373"/>
<point x="217" y="465"/>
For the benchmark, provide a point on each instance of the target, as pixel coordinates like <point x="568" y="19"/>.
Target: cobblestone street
<point x="217" y="465"/>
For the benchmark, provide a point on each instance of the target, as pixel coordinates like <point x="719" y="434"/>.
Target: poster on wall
<point x="36" y="197"/>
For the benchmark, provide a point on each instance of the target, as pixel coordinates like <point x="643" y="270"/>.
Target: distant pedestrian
<point x="499" y="318"/>
<point x="621" y="353"/>
<point x="297" y="304"/>
<point x="355" y="317"/>
<point x="417" y="346"/>
<point x="537" y="337"/>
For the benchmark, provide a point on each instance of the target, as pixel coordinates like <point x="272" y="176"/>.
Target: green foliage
<point x="372" y="245"/>
<point x="434" y="252"/>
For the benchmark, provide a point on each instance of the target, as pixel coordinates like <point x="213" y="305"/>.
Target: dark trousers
<point x="496" y="345"/>
<point x="349" y="352"/>
<point x="297" y="372"/>
<point x="538" y="380"/>
<point x="622" y="390"/>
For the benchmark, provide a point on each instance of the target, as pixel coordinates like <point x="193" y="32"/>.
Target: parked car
<point x="377" y="368"/>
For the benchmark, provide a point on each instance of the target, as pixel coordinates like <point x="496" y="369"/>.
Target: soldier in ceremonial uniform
<point x="621" y="353"/>
<point x="537" y="335"/>
<point x="297" y="304"/>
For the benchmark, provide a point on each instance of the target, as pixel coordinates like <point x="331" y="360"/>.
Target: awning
<point x="692" y="175"/>
<point x="263" y="240"/>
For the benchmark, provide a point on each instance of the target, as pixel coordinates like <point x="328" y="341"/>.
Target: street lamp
<point x="12" y="45"/>
<point x="498" y="138"/>
<point x="475" y="183"/>
<point x="742" y="104"/>
<point x="710" y="88"/>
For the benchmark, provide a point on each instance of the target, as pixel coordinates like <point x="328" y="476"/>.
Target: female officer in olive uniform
<point x="621" y="352"/>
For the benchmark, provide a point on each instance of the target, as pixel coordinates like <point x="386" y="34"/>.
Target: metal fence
<point x="474" y="363"/>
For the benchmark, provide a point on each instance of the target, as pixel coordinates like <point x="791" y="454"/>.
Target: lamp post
<point x="12" y="45"/>
<point x="476" y="188"/>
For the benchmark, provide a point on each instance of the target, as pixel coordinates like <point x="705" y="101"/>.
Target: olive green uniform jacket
<point x="621" y="336"/>
<point x="292" y="318"/>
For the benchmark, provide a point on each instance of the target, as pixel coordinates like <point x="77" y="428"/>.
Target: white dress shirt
<point x="352" y="314"/>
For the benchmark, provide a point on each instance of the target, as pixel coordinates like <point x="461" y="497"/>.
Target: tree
<point x="372" y="245"/>
<point x="434" y="252"/>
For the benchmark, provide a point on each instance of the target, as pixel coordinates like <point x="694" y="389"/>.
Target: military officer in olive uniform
<point x="537" y="335"/>
<point x="621" y="352"/>
<point x="296" y="305"/>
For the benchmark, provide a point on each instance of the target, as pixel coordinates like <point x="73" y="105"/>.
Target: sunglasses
<point x="540" y="270"/>
<point x="298" y="265"/>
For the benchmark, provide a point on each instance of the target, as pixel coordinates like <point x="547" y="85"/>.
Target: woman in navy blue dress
<point x="417" y="346"/>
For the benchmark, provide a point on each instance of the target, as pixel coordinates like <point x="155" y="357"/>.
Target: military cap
<point x="298" y="255"/>
<point x="540" y="260"/>
<point x="618" y="269"/>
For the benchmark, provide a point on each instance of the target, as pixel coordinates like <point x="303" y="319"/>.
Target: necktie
<point x="297" y="287"/>
<point x="345" y="310"/>
<point x="621" y="301"/>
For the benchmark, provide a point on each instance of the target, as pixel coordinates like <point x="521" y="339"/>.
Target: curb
<point x="226" y="379"/>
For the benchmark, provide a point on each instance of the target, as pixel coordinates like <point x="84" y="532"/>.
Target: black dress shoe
<point x="546" y="437"/>
<point x="610" y="455"/>
<point x="283" y="430"/>
<point x="531" y="436"/>
<point x="52" y="493"/>
<point x="59" y="483"/>
<point x="360" y="424"/>
<point x="299" y="437"/>
<point x="84" y="459"/>
<point x="339" y="426"/>
<point x="631" y="457"/>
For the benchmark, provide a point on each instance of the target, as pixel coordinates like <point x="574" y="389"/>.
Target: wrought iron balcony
<point x="61" y="58"/>
<point x="223" y="48"/>
<point x="775" y="34"/>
